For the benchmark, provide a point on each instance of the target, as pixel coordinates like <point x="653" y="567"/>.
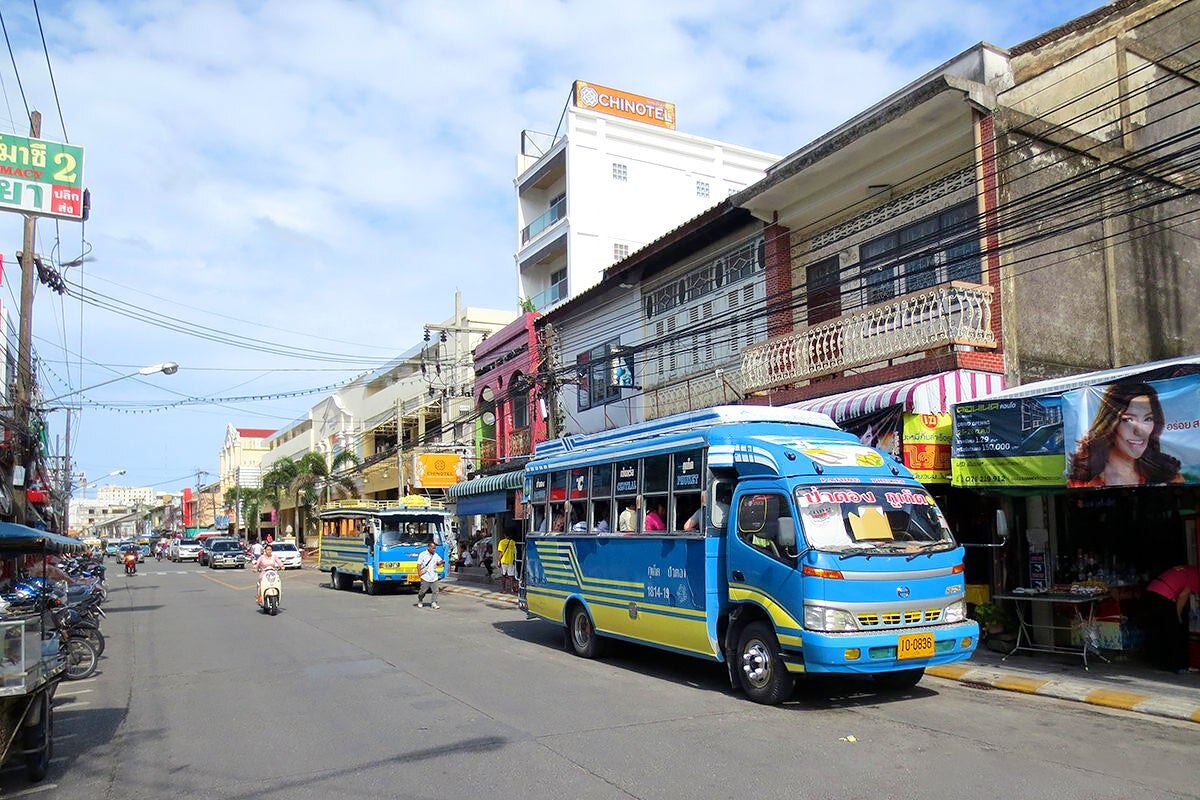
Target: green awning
<point x="504" y="482"/>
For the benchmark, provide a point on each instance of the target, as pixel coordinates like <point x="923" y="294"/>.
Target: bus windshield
<point x="868" y="518"/>
<point x="410" y="531"/>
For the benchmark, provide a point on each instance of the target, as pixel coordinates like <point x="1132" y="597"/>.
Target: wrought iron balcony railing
<point x="952" y="314"/>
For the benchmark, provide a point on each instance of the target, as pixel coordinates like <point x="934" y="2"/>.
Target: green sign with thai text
<point x="41" y="177"/>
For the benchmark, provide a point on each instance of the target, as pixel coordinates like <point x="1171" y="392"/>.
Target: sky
<point x="285" y="193"/>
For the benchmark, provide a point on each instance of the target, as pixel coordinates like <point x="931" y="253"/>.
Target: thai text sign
<point x="41" y="177"/>
<point x="1133" y="433"/>
<point x="436" y="470"/>
<point x="927" y="440"/>
<point x="1017" y="442"/>
<point x="622" y="104"/>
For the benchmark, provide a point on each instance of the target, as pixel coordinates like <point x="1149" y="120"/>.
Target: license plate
<point x="914" y="645"/>
<point x="414" y="578"/>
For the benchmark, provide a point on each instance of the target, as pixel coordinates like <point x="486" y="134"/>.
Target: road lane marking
<point x="71" y="706"/>
<point x="223" y="583"/>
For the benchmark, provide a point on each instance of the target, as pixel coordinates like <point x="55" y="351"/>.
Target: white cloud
<point x="337" y="169"/>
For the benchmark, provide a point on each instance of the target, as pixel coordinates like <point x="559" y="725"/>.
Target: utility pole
<point x="24" y="387"/>
<point x="549" y="348"/>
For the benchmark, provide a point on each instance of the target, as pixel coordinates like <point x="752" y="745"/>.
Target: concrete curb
<point x="485" y="594"/>
<point x="1154" y="704"/>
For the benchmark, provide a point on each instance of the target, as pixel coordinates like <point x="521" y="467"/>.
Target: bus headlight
<point x="956" y="611"/>
<point x="834" y="620"/>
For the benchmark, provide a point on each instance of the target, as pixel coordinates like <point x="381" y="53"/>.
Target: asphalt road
<point x="200" y="696"/>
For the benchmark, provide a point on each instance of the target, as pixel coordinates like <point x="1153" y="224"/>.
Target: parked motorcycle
<point x="270" y="588"/>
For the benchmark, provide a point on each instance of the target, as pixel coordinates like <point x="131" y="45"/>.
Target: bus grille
<point x="893" y="619"/>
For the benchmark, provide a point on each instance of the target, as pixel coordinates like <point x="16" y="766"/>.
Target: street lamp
<point x="166" y="368"/>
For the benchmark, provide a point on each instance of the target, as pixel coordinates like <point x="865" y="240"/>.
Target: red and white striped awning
<point x="930" y="394"/>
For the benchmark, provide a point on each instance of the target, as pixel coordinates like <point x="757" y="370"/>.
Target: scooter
<point x="130" y="563"/>
<point x="270" y="588"/>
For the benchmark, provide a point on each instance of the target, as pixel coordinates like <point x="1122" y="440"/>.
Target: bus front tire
<point x="370" y="586"/>
<point x="761" y="672"/>
<point x="581" y="634"/>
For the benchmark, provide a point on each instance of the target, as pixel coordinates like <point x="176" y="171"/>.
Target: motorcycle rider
<point x="268" y="560"/>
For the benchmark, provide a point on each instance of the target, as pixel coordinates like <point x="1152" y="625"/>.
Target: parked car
<point x="184" y="550"/>
<point x="224" y="553"/>
<point x="288" y="553"/>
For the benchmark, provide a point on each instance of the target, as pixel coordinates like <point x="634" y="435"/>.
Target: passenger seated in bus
<point x="601" y="513"/>
<point x="558" y="523"/>
<point x="655" y="517"/>
<point x="627" y="522"/>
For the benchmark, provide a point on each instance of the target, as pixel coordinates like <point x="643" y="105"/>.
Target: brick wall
<point x="778" y="252"/>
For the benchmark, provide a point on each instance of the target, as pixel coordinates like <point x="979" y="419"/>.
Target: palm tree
<point x="277" y="480"/>
<point x="251" y="500"/>
<point x="316" y="482"/>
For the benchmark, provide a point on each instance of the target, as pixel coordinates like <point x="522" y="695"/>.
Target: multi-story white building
<point x="614" y="177"/>
<point x="128" y="496"/>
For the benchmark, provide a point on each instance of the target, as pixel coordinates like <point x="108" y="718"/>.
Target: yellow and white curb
<point x="1156" y="705"/>
<point x="480" y="592"/>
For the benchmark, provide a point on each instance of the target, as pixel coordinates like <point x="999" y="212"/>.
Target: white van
<point x="184" y="550"/>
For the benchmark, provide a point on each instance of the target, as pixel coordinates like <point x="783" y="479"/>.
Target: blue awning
<point x="490" y="503"/>
<point x="504" y="482"/>
<point x="14" y="535"/>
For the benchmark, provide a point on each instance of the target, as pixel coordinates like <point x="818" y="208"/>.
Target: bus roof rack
<point x="410" y="502"/>
<point x="689" y="420"/>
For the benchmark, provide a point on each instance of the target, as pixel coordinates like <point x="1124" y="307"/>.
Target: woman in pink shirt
<point x="1167" y="605"/>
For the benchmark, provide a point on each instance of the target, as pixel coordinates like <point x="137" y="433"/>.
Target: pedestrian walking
<point x="428" y="563"/>
<point x="507" y="550"/>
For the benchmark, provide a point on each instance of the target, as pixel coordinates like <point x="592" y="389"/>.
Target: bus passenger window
<point x="600" y="513"/>
<point x="688" y="514"/>
<point x="577" y="522"/>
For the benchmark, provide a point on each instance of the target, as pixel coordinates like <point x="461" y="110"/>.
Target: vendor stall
<point x="30" y="661"/>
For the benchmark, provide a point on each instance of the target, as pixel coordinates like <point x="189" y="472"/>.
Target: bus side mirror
<point x="786" y="537"/>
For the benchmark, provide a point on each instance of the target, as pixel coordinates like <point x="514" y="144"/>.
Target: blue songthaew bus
<point x="377" y="542"/>
<point x="764" y="538"/>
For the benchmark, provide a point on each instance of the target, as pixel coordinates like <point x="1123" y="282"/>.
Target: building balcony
<point x="487" y="452"/>
<point x="549" y="297"/>
<point x="558" y="210"/>
<point x="713" y="387"/>
<point x="520" y="443"/>
<point x="952" y="314"/>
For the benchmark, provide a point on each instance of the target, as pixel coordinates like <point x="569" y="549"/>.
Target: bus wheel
<point x="582" y="633"/>
<point x="335" y="580"/>
<point x="369" y="585"/>
<point x="761" y="672"/>
<point x="902" y="679"/>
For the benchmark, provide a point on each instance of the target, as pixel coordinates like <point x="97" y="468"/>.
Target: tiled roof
<point x="254" y="433"/>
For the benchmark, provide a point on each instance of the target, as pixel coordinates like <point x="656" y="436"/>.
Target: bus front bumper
<point x="887" y="651"/>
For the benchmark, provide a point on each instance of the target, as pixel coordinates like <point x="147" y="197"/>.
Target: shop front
<point x="911" y="420"/>
<point x="488" y="507"/>
<point x="1101" y="476"/>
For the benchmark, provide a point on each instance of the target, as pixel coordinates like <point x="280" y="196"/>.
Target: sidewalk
<point x="1121" y="684"/>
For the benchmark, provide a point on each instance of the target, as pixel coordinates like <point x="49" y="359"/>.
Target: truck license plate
<point x="914" y="645"/>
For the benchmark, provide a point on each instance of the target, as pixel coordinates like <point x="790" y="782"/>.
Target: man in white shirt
<point x="428" y="563"/>
<point x="256" y="549"/>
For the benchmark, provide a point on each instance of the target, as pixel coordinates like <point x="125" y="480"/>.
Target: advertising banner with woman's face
<point x="1133" y="433"/>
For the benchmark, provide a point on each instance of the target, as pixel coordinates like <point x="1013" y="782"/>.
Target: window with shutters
<point x="939" y="248"/>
